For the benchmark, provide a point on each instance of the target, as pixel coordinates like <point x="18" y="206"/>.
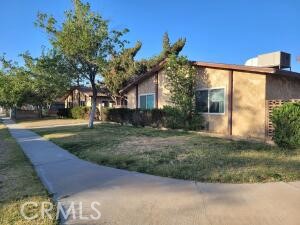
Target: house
<point x="82" y="96"/>
<point x="234" y="99"/>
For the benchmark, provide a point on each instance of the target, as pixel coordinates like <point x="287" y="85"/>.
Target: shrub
<point x="169" y="117"/>
<point x="196" y="122"/>
<point x="157" y="117"/>
<point x="83" y="112"/>
<point x="118" y="115"/>
<point x="174" y="118"/>
<point x="286" y="120"/>
<point x="64" y="113"/>
<point x="79" y="112"/>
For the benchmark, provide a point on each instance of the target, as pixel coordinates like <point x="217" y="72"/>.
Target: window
<point x="147" y="101"/>
<point x="82" y="103"/>
<point x="210" y="100"/>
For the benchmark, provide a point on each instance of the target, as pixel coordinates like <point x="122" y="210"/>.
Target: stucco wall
<point x="131" y="104"/>
<point x="248" y="114"/>
<point x="280" y="87"/>
<point x="148" y="86"/>
<point x="163" y="92"/>
<point x="215" y="78"/>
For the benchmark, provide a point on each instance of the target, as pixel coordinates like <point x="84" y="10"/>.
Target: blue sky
<point x="222" y="31"/>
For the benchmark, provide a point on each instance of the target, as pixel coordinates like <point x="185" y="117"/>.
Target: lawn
<point x="177" y="154"/>
<point x="48" y="122"/>
<point x="18" y="184"/>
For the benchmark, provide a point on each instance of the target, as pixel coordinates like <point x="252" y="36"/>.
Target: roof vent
<point x="280" y="60"/>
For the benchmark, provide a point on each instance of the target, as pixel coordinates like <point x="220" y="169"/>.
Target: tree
<point x="121" y="68"/>
<point x="181" y="82"/>
<point x="15" y="84"/>
<point x="86" y="42"/>
<point x="39" y="82"/>
<point x="168" y="49"/>
<point x="49" y="76"/>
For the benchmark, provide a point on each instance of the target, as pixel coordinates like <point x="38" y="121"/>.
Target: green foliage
<point x="85" y="41"/>
<point x="118" y="115"/>
<point x="286" y="120"/>
<point x="64" y="113"/>
<point x="79" y="112"/>
<point x="83" y="112"/>
<point x="145" y="65"/>
<point x="121" y="68"/>
<point x="39" y="82"/>
<point x="174" y="118"/>
<point x="182" y="82"/>
<point x="169" y="117"/>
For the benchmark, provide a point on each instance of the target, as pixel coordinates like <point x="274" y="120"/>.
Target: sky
<point x="222" y="31"/>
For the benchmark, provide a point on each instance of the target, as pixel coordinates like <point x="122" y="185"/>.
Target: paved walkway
<point x="130" y="198"/>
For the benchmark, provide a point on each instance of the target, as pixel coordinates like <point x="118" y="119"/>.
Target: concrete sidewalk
<point x="130" y="198"/>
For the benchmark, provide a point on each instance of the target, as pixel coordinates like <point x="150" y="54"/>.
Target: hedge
<point x="77" y="112"/>
<point x="169" y="117"/>
<point x="286" y="121"/>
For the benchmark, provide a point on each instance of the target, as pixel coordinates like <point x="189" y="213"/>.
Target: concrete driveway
<point x="131" y="198"/>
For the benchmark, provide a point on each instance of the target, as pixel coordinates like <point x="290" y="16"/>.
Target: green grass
<point x="177" y="154"/>
<point x="18" y="184"/>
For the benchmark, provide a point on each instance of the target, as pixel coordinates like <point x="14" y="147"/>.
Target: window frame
<point x="214" y="88"/>
<point x="145" y="94"/>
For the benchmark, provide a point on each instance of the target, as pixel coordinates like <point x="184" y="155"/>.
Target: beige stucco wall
<point x="215" y="78"/>
<point x="248" y="113"/>
<point x="131" y="103"/>
<point x="163" y="92"/>
<point x="280" y="87"/>
<point x="148" y="86"/>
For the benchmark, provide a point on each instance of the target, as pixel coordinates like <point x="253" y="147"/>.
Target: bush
<point x="286" y="121"/>
<point x="169" y="117"/>
<point x="174" y="118"/>
<point x="64" y="113"/>
<point x="157" y="117"/>
<point x="83" y="112"/>
<point x="197" y="122"/>
<point x="118" y="115"/>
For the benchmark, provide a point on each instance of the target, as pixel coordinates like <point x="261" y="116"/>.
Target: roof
<point x="102" y="92"/>
<point x="242" y="68"/>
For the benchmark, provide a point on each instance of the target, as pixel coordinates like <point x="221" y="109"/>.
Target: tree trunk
<point x="93" y="111"/>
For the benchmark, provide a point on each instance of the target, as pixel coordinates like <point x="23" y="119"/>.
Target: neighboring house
<point x="234" y="99"/>
<point x="82" y="96"/>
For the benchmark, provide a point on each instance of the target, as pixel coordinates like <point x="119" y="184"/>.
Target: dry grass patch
<point x="49" y="122"/>
<point x="178" y="154"/>
<point x="148" y="144"/>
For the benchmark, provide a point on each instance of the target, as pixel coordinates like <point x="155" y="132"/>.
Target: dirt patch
<point x="147" y="144"/>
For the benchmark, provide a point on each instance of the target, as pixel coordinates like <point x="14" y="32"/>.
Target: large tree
<point x="15" y="84"/>
<point x="86" y="42"/>
<point x="121" y="68"/>
<point x="168" y="49"/>
<point x="50" y="77"/>
<point x="39" y="82"/>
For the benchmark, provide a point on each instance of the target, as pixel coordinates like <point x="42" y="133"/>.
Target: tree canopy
<point x="86" y="42"/>
<point x="39" y="82"/>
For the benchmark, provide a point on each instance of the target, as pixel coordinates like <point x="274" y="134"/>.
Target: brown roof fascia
<point x="255" y="69"/>
<point x="242" y="68"/>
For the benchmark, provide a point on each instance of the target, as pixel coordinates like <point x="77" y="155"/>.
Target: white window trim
<point x="214" y="88"/>
<point x="139" y="101"/>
